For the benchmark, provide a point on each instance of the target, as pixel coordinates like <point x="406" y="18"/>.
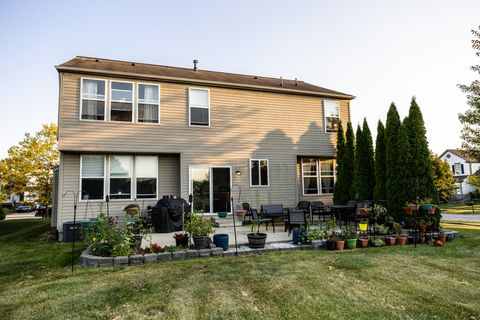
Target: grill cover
<point x="167" y="214"/>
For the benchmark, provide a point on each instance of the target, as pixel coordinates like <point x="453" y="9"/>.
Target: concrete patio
<point x="226" y="227"/>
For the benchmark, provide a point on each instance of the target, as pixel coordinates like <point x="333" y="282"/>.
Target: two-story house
<point x="462" y="167"/>
<point x="136" y="132"/>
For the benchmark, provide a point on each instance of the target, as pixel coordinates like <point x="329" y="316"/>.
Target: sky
<point x="379" y="51"/>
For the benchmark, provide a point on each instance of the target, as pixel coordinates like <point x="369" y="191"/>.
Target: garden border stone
<point x="89" y="260"/>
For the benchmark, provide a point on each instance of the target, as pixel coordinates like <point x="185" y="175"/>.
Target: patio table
<point x="342" y="210"/>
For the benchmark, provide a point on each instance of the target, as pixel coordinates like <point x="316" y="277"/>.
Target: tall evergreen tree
<point x="340" y="143"/>
<point x="343" y="186"/>
<point x="423" y="184"/>
<point x="391" y="157"/>
<point x="369" y="170"/>
<point x="358" y="165"/>
<point x="402" y="177"/>
<point x="380" y="165"/>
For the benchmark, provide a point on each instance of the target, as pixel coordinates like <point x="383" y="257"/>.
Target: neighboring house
<point x="138" y="132"/>
<point x="462" y="166"/>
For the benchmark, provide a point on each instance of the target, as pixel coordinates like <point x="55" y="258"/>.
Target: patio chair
<point x="246" y="207"/>
<point x="319" y="209"/>
<point x="296" y="218"/>
<point x="304" y="205"/>
<point x="260" y="219"/>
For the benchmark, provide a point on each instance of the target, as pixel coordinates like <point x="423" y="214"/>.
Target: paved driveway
<point x="18" y="216"/>
<point x="460" y="217"/>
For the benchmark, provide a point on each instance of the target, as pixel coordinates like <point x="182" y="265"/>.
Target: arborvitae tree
<point x="343" y="186"/>
<point x="380" y="165"/>
<point x="368" y="183"/>
<point x="391" y="156"/>
<point x="340" y="144"/>
<point x="357" y="164"/>
<point x="420" y="166"/>
<point x="402" y="176"/>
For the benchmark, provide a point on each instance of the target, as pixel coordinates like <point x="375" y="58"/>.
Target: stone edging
<point x="89" y="260"/>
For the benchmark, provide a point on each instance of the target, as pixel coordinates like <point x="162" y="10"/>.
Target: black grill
<point x="166" y="216"/>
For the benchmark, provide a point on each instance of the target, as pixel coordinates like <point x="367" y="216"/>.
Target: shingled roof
<point x="134" y="70"/>
<point x="458" y="153"/>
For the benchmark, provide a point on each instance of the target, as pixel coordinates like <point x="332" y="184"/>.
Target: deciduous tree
<point x="443" y="177"/>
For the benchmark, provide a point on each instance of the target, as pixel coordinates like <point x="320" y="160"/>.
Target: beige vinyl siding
<point x="168" y="184"/>
<point x="244" y="125"/>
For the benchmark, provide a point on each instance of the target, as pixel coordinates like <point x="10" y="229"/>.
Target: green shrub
<point x="2" y="213"/>
<point x="108" y="238"/>
<point x="199" y="226"/>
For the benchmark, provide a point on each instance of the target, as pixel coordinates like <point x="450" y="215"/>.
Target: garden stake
<point x="75" y="201"/>
<point x="234" y="229"/>
<point x="108" y="211"/>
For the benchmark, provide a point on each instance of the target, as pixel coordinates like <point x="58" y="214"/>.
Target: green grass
<point x="8" y="210"/>
<point x="461" y="208"/>
<point x="374" y="283"/>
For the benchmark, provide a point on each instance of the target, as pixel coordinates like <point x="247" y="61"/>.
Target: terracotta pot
<point x="431" y="212"/>
<point x="340" y="244"/>
<point x="421" y="240"/>
<point x="422" y="228"/>
<point x="390" y="241"/>
<point x="414" y="207"/>
<point x="407" y="211"/>
<point x="401" y="240"/>
<point x="442" y="237"/>
<point x="363" y="212"/>
<point x="240" y="213"/>
<point x="438" y="243"/>
<point x="362" y="243"/>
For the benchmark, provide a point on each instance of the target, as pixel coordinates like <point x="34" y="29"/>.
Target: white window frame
<point x="131" y="177"/>
<point x="137" y="103"/>
<point x="104" y="180"/>
<point x="197" y="106"/>
<point x="105" y="106"/>
<point x="318" y="176"/>
<point x="134" y="186"/>
<point x="325" y="114"/>
<point x="260" y="185"/>
<point x="110" y="100"/>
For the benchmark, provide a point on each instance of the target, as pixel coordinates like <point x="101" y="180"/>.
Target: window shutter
<point x="453" y="168"/>
<point x="462" y="169"/>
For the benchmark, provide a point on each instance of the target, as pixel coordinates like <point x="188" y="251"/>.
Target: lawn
<point x="459" y="208"/>
<point x="374" y="283"/>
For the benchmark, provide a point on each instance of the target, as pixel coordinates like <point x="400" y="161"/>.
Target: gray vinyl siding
<point x="244" y="125"/>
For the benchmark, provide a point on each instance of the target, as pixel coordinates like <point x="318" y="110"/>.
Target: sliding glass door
<point x="210" y="189"/>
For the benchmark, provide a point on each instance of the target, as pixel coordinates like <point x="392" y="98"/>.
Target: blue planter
<point x="221" y="240"/>
<point x="298" y="235"/>
<point x="222" y="214"/>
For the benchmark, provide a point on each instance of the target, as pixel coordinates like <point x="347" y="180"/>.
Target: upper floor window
<point x="121" y="101"/>
<point x="458" y="168"/>
<point x="92" y="177"/>
<point x="93" y="99"/>
<point x="332" y="115"/>
<point x="148" y="103"/>
<point x="199" y="107"/>
<point x="259" y="173"/>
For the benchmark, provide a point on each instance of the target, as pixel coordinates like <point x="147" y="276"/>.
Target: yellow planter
<point x="363" y="227"/>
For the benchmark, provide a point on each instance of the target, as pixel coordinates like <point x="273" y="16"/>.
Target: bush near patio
<point x="441" y="283"/>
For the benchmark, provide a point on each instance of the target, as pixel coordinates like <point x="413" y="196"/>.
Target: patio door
<point x="210" y="188"/>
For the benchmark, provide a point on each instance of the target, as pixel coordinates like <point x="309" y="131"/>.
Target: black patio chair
<point x="260" y="219"/>
<point x="319" y="209"/>
<point x="304" y="205"/>
<point x="296" y="218"/>
<point x="246" y="207"/>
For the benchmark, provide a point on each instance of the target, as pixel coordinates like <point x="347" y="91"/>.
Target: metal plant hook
<point x="75" y="202"/>
<point x="233" y="215"/>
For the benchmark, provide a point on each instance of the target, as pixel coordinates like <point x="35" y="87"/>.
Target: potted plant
<point x="200" y="228"/>
<point x="299" y="236"/>
<point x="316" y="236"/>
<point x="363" y="225"/>
<point x="422" y="226"/>
<point x="401" y="238"/>
<point x="222" y="214"/>
<point x="390" y="240"/>
<point x="256" y="239"/>
<point x="240" y="212"/>
<point x="377" y="242"/>
<point x="362" y="242"/>
<point x="427" y="206"/>
<point x="407" y="210"/>
<point x="350" y="235"/>
<point x="181" y="239"/>
<point x="363" y="212"/>
<point x="378" y="212"/>
<point x="442" y="237"/>
<point x="330" y="234"/>
<point x="340" y="241"/>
